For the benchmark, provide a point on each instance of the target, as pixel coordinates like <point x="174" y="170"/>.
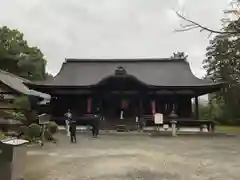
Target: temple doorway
<point x="119" y="110"/>
<point x="112" y="106"/>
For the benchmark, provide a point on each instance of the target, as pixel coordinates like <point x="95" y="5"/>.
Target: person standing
<point x="72" y="130"/>
<point x="96" y="124"/>
<point x="141" y="123"/>
<point x="137" y="123"/>
<point x="67" y="121"/>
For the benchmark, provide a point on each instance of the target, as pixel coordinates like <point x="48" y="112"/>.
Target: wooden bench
<point x="197" y="123"/>
<point x="187" y="123"/>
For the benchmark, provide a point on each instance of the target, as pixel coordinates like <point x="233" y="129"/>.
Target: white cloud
<point x="196" y="51"/>
<point x="28" y="4"/>
<point x="196" y="56"/>
<point x="172" y="17"/>
<point x="181" y="3"/>
<point x="111" y="28"/>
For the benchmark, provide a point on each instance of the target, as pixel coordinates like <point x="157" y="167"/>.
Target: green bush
<point x="22" y="103"/>
<point x="2" y="136"/>
<point x="16" y="116"/>
<point x="204" y="112"/>
<point x="52" y="128"/>
<point x="34" y="131"/>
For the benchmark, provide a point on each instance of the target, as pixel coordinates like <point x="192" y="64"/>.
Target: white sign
<point x="158" y="118"/>
<point x="165" y="127"/>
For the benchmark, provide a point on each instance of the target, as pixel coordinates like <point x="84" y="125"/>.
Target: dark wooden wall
<point x="111" y="105"/>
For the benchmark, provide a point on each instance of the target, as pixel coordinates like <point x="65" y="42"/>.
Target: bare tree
<point x="232" y="28"/>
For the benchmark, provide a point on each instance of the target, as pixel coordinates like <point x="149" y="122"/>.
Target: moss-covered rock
<point x="34" y="131"/>
<point x="52" y="128"/>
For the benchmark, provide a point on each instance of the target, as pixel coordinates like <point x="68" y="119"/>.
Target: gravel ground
<point x="128" y="157"/>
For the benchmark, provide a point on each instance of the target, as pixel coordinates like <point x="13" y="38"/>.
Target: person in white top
<point x="69" y="117"/>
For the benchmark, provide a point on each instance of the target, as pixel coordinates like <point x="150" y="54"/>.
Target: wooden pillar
<point x="196" y="108"/>
<point x="175" y="100"/>
<point x="173" y="108"/>
<point x="153" y="106"/>
<point x="140" y="107"/>
<point x="89" y="105"/>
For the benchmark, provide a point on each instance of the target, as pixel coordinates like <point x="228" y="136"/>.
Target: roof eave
<point x="34" y="85"/>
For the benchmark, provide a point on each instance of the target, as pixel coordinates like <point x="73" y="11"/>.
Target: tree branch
<point x="195" y="25"/>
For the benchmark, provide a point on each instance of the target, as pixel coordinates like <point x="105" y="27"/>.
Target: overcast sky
<point x="112" y="28"/>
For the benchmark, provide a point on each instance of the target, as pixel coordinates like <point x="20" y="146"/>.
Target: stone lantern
<point x="173" y="115"/>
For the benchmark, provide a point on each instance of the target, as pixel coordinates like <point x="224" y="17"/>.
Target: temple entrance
<point x="119" y="109"/>
<point x="114" y="105"/>
<point x="111" y="106"/>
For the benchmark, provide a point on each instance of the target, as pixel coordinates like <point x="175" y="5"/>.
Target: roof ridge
<point x="123" y="59"/>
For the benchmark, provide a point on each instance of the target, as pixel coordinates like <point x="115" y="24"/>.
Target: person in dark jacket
<point x="72" y="129"/>
<point x="95" y="126"/>
<point x="96" y="123"/>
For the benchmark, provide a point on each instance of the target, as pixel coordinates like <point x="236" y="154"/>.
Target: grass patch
<point x="228" y="129"/>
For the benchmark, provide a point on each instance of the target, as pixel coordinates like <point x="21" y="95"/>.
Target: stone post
<point x="174" y="129"/>
<point x="173" y="116"/>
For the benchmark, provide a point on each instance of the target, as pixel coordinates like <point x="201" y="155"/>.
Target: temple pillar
<point x="173" y="104"/>
<point x="196" y="108"/>
<point x="153" y="105"/>
<point x="89" y="105"/>
<point x="140" y="106"/>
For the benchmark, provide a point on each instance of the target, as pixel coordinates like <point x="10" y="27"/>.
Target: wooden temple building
<point x="12" y="87"/>
<point x="125" y="88"/>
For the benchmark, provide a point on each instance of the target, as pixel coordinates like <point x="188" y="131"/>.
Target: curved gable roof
<point x="16" y="83"/>
<point x="154" y="72"/>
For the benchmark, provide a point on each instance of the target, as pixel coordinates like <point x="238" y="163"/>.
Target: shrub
<point x="34" y="131"/>
<point x="16" y="116"/>
<point x="52" y="128"/>
<point x="204" y="112"/>
<point x="21" y="102"/>
<point x="2" y="136"/>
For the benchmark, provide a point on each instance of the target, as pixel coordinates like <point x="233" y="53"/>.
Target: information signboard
<point x="158" y="118"/>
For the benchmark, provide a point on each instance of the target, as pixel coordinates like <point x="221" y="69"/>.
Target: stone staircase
<point x="128" y="124"/>
<point x="148" y="119"/>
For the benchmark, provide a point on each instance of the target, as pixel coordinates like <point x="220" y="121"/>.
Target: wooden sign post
<point x="44" y="119"/>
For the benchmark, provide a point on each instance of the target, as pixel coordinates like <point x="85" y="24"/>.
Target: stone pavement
<point x="136" y="157"/>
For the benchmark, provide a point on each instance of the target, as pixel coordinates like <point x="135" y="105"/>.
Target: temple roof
<point x="16" y="83"/>
<point x="153" y="72"/>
